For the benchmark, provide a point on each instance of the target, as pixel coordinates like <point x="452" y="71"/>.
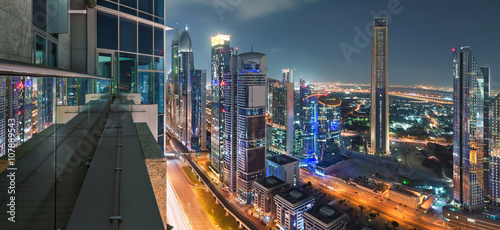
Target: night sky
<point x="308" y="34"/>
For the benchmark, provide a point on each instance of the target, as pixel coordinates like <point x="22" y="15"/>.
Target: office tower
<point x="269" y="91"/>
<point x="486" y="116"/>
<point x="468" y="130"/>
<point x="198" y="110"/>
<point x="297" y="133"/>
<point x="186" y="70"/>
<point x="310" y="127"/>
<point x="322" y="126"/>
<point x="290" y="205"/>
<point x="379" y="127"/>
<point x="328" y="126"/>
<point x="282" y="129"/>
<point x="251" y="122"/>
<point x="244" y="131"/>
<point x="229" y="86"/>
<point x="284" y="167"/>
<point x="191" y="108"/>
<point x="173" y="88"/>
<point x="325" y="217"/>
<point x="494" y="153"/>
<point x="265" y="189"/>
<point x="221" y="64"/>
<point x="288" y="75"/>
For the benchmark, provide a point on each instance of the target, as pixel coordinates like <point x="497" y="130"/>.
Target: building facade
<point x="468" y="130"/>
<point x="325" y="217"/>
<point x="229" y="86"/>
<point x="290" y="205"/>
<point x="251" y="121"/>
<point x="221" y="64"/>
<point x="284" y="167"/>
<point x="379" y="127"/>
<point x="282" y="129"/>
<point x="265" y="189"/>
<point x="494" y="153"/>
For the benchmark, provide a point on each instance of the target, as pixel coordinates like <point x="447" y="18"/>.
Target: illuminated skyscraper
<point x="244" y="134"/>
<point x="468" y="130"/>
<point x="282" y="131"/>
<point x="221" y="61"/>
<point x="379" y="120"/>
<point x="198" y="110"/>
<point x="321" y="126"/>
<point x="494" y="153"/>
<point x="173" y="88"/>
<point x="288" y="75"/>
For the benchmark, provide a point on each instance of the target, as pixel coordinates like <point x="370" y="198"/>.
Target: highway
<point x="393" y="211"/>
<point x="192" y="209"/>
<point x="177" y="145"/>
<point x="175" y="218"/>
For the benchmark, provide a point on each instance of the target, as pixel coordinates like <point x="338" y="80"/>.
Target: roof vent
<point x="326" y="211"/>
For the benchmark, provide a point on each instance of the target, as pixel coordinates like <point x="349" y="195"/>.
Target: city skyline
<point x="321" y="28"/>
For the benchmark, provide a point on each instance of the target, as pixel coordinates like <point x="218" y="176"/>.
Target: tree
<point x="309" y="183"/>
<point x="361" y="207"/>
<point x="395" y="223"/>
<point x="372" y="215"/>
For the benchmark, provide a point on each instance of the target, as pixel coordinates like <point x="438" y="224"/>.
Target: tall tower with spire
<point x="173" y="94"/>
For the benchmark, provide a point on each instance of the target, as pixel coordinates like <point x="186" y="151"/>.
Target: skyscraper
<point x="288" y="75"/>
<point x="198" y="110"/>
<point x="229" y="86"/>
<point x="173" y="93"/>
<point x="244" y="94"/>
<point x="494" y="153"/>
<point x="321" y="126"/>
<point x="221" y="63"/>
<point x="379" y="127"/>
<point x="468" y="130"/>
<point x="282" y="130"/>
<point x="251" y="122"/>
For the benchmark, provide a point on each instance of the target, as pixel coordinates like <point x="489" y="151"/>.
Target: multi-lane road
<point x="193" y="212"/>
<point x="393" y="211"/>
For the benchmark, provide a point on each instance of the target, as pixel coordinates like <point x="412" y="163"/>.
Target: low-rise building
<point x="335" y="164"/>
<point x="264" y="191"/>
<point x="284" y="167"/>
<point x="324" y="217"/>
<point x="406" y="196"/>
<point x="290" y="205"/>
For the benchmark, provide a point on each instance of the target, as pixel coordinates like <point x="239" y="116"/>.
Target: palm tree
<point x="395" y="223"/>
<point x="361" y="207"/>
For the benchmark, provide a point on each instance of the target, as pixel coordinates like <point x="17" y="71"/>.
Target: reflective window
<point x="146" y="6"/>
<point x="105" y="67"/>
<point x="131" y="3"/>
<point x="52" y="52"/>
<point x="145" y="62"/>
<point x="107" y="31"/>
<point x="159" y="8"/>
<point x="158" y="65"/>
<point x="158" y="91"/>
<point x="145" y="87"/>
<point x="128" y="35"/>
<point x="145" y="39"/>
<point x="40" y="51"/>
<point x="158" y="42"/>
<point x="128" y="73"/>
<point x="128" y="10"/>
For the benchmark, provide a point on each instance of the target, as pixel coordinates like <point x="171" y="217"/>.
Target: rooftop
<point x="332" y="161"/>
<point x="325" y="213"/>
<point x="295" y="195"/>
<point x="406" y="190"/>
<point x="270" y="182"/>
<point x="282" y="159"/>
<point x="329" y="100"/>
